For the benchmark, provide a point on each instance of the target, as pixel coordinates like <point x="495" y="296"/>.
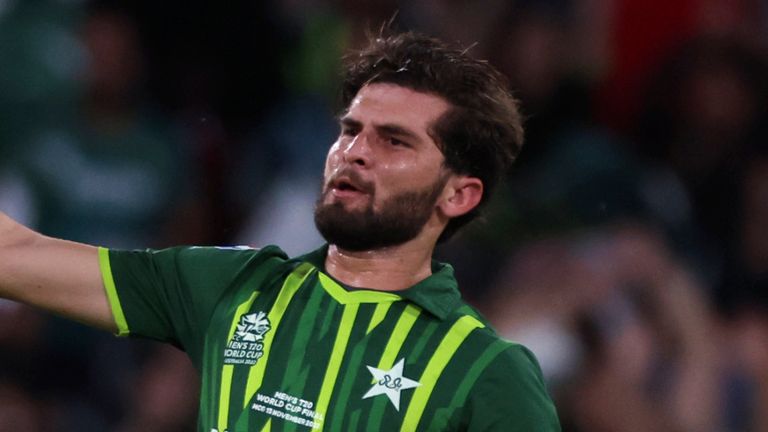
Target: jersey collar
<point x="437" y="294"/>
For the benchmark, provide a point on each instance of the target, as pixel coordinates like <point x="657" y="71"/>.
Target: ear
<point x="460" y="195"/>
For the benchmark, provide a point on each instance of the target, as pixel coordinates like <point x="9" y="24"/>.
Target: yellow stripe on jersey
<point x="267" y="427"/>
<point x="378" y="315"/>
<point x="112" y="298"/>
<point x="337" y="355"/>
<point x="228" y="370"/>
<point x="343" y="296"/>
<point x="399" y="334"/>
<point x="443" y="354"/>
<point x="291" y="285"/>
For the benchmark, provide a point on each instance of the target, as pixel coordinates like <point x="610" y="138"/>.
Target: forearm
<point x="57" y="275"/>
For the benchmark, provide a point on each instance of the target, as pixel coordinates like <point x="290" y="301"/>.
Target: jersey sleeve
<point x="169" y="295"/>
<point x="510" y="396"/>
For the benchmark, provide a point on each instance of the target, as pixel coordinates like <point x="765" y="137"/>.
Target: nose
<point x="358" y="151"/>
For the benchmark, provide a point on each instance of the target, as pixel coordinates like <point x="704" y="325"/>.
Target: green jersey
<point x="282" y="346"/>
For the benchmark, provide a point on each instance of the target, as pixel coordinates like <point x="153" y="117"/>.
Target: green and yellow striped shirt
<point x="282" y="346"/>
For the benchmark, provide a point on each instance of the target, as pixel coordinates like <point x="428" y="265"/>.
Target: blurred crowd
<point x="628" y="248"/>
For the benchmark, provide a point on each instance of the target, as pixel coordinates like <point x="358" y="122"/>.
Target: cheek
<point x="401" y="165"/>
<point x="409" y="174"/>
<point x="332" y="159"/>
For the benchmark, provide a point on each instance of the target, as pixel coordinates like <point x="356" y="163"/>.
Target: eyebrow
<point x="350" y="122"/>
<point x="387" y="128"/>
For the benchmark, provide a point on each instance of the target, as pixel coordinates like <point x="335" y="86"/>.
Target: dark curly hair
<point x="482" y="133"/>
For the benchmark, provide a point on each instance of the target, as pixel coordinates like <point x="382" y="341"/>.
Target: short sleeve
<point x="169" y="295"/>
<point x="510" y="396"/>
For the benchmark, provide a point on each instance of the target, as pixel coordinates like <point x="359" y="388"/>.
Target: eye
<point x="397" y="142"/>
<point x="347" y="131"/>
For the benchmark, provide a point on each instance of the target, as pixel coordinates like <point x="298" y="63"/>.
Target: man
<point x="367" y="333"/>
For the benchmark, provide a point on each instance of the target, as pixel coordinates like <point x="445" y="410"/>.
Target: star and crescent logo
<point x="390" y="383"/>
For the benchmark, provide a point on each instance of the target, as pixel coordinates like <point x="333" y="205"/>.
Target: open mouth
<point x="346" y="186"/>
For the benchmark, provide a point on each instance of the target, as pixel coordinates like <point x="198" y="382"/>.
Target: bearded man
<point x="366" y="333"/>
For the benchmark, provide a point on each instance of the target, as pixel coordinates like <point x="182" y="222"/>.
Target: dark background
<point x="628" y="248"/>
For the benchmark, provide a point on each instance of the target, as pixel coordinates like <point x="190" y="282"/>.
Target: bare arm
<point x="57" y="275"/>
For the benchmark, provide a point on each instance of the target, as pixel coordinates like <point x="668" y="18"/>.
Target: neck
<point x="388" y="269"/>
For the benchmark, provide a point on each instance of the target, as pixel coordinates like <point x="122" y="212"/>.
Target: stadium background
<point x="629" y="248"/>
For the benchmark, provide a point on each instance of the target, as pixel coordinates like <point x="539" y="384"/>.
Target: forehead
<point x="384" y="103"/>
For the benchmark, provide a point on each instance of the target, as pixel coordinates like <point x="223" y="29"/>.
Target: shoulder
<point x="503" y="363"/>
<point x="518" y="367"/>
<point x="502" y="360"/>
<point x="505" y="385"/>
<point x="510" y="393"/>
<point x="205" y="257"/>
<point x="495" y="361"/>
<point x="194" y="265"/>
<point x="246" y="252"/>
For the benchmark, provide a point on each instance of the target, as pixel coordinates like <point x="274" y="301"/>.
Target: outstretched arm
<point x="57" y="275"/>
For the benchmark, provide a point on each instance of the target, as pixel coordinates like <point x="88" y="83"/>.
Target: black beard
<point x="401" y="219"/>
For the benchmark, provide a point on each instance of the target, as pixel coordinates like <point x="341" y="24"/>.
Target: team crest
<point x="247" y="344"/>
